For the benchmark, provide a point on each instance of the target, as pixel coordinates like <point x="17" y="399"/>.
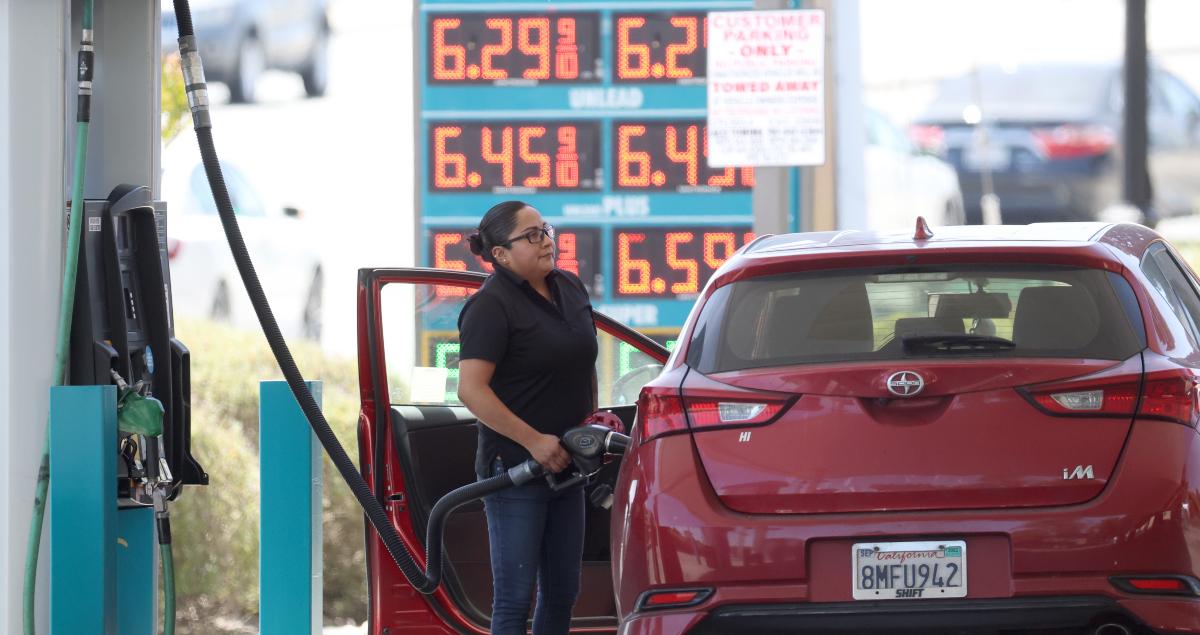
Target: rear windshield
<point x="840" y="316"/>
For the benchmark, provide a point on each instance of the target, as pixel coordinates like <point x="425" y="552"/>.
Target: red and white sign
<point x="766" y="88"/>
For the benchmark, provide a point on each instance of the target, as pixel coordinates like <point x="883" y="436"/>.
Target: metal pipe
<point x="1135" y="182"/>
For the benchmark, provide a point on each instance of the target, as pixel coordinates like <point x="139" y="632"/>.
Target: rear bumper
<point x="679" y="535"/>
<point x="1039" y="198"/>
<point x="1050" y="614"/>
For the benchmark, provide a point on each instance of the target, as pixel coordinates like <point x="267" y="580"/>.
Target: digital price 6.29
<point x="474" y="48"/>
<point x="660" y="47"/>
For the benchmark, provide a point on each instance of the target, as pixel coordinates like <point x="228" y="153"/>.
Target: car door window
<point x="1177" y="99"/>
<point x="881" y="132"/>
<point x="1171" y="283"/>
<point x="1183" y="105"/>
<point x="622" y="370"/>
<point x="421" y="354"/>
<point x="242" y="195"/>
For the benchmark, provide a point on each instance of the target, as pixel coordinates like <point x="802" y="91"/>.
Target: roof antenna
<point x="923" y="232"/>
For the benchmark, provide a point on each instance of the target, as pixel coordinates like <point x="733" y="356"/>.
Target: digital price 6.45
<point x="671" y="261"/>
<point x="672" y="156"/>
<point x="472" y="156"/>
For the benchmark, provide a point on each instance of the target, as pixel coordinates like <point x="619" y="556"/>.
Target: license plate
<point x="990" y="157"/>
<point x="910" y="570"/>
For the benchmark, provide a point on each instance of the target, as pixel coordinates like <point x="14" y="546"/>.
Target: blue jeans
<point x="536" y="535"/>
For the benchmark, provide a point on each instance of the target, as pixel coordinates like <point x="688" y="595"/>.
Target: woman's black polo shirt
<point x="545" y="354"/>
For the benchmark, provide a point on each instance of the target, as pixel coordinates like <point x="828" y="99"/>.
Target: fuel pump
<point x="123" y="333"/>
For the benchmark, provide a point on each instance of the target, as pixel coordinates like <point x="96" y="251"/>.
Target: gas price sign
<point x="577" y="250"/>
<point x="656" y="155"/>
<point x="671" y="261"/>
<point x="494" y="47"/>
<point x="660" y="47"/>
<point x="594" y="112"/>
<point x="470" y="155"/>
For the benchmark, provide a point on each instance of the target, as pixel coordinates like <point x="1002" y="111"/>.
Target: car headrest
<point x="1055" y="318"/>
<point x="802" y="324"/>
<point x="847" y="316"/>
<point x="945" y="325"/>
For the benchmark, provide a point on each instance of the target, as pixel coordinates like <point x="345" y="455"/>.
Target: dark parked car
<point x="993" y="429"/>
<point x="239" y="39"/>
<point x="1050" y="137"/>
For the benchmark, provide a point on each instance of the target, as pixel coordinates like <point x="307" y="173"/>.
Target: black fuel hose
<point x="423" y="581"/>
<point x="519" y="475"/>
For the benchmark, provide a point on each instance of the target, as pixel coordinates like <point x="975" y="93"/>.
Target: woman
<point x="527" y="372"/>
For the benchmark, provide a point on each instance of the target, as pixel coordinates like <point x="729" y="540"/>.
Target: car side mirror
<point x="293" y="212"/>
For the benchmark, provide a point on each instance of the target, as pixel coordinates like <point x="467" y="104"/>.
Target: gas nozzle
<point x="616" y="443"/>
<point x="586" y="442"/>
<point x="587" y="446"/>
<point x="525" y="472"/>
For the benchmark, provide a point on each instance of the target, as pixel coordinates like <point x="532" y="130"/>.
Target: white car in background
<point x="902" y="183"/>
<point x="205" y="281"/>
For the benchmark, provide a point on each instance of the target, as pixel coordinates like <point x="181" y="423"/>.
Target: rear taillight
<point x="660" y="412"/>
<point x="173" y="247"/>
<point x="930" y="139"/>
<point x="672" y="599"/>
<point x="1158" y="585"/>
<point x="1170" y="395"/>
<point x="1116" y="396"/>
<point x="709" y="413"/>
<point x="1073" y="141"/>
<point x="1167" y="394"/>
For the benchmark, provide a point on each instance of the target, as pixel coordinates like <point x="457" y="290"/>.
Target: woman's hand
<point x="546" y="450"/>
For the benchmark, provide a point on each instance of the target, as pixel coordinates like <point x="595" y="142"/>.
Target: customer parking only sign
<point x="766" y="88"/>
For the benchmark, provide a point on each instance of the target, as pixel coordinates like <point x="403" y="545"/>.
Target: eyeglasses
<point x="534" y="236"/>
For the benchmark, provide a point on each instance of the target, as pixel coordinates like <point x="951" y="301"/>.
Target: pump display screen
<point x="577" y="249"/>
<point x="671" y="156"/>
<point x="477" y="156"/>
<point x="492" y="47"/>
<point x="666" y="262"/>
<point x="659" y="47"/>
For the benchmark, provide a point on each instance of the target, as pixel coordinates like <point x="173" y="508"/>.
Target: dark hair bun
<point x="476" y="243"/>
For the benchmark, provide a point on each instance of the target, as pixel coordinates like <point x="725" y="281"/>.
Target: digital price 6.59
<point x="671" y="261"/>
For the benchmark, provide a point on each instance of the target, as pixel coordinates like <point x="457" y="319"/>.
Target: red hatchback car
<point x="987" y="430"/>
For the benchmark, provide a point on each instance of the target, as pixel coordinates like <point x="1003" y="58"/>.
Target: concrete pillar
<point x="33" y="107"/>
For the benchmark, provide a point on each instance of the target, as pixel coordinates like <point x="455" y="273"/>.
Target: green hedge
<point x="215" y="528"/>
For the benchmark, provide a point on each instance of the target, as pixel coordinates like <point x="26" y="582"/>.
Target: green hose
<point x="168" y="566"/>
<point x="65" y="311"/>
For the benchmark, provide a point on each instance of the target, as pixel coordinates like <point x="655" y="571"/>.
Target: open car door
<point x="417" y="442"/>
